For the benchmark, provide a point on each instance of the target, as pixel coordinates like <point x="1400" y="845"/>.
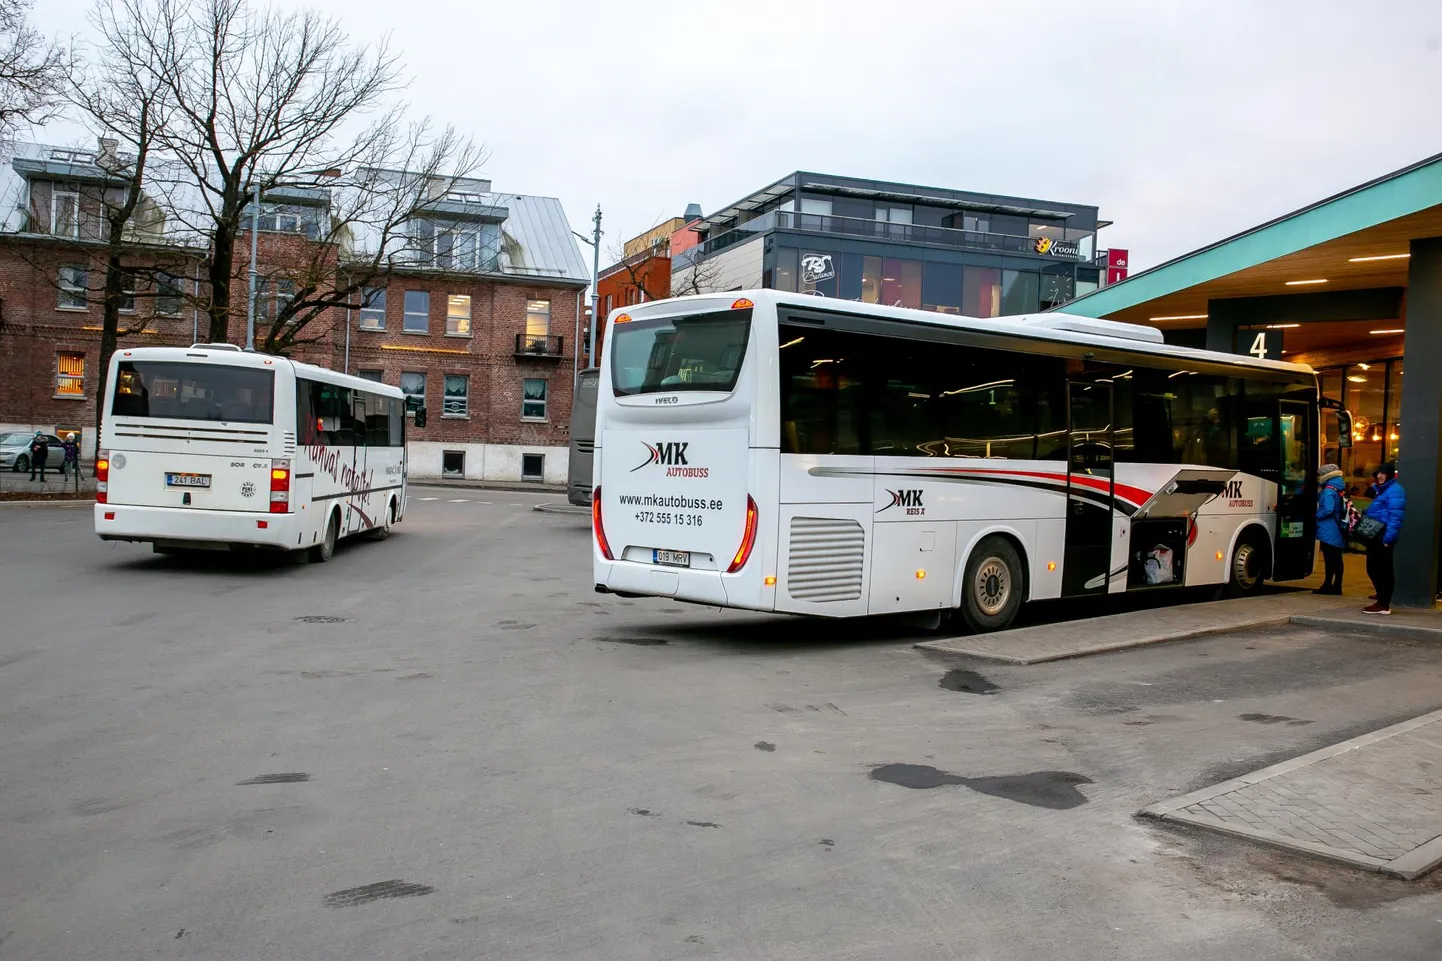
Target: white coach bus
<point x="782" y="452"/>
<point x="211" y="447"/>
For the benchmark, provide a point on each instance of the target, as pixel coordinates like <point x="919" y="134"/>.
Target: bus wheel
<point x="321" y="552"/>
<point x="992" y="590"/>
<point x="383" y="530"/>
<point x="1248" y="568"/>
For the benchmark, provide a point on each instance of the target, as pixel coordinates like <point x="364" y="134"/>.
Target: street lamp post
<point x="328" y="173"/>
<point x="595" y="242"/>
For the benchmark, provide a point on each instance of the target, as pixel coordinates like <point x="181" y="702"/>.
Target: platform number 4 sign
<point x="1262" y="344"/>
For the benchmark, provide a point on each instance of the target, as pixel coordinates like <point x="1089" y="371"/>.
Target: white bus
<point x="211" y="447"/>
<point x="783" y="452"/>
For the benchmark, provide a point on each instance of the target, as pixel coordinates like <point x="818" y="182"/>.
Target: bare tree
<point x="255" y="97"/>
<point x="699" y="277"/>
<point x="634" y="265"/>
<point x="33" y="71"/>
<point x="371" y="224"/>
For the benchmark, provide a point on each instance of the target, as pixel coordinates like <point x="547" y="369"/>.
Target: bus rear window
<point x="187" y="391"/>
<point x="695" y="352"/>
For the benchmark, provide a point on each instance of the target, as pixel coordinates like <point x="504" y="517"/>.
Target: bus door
<point x="1296" y="491"/>
<point x="1087" y="558"/>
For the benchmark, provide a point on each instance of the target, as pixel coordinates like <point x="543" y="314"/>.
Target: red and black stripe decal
<point x="1124" y="498"/>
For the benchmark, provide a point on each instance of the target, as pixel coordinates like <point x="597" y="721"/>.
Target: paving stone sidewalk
<point x="1374" y="802"/>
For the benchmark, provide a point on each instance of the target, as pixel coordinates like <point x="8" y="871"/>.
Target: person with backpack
<point x="1386" y="509"/>
<point x="1332" y="509"/>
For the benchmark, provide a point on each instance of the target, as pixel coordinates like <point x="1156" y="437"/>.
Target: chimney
<point x="693" y="213"/>
<point x="106" y="155"/>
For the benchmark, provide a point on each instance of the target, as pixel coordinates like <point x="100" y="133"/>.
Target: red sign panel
<point x="1117" y="261"/>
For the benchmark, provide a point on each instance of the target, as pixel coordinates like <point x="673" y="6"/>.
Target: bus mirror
<point x="420" y="417"/>
<point x="1344" y="428"/>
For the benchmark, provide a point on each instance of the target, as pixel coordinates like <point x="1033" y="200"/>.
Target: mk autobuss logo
<point x="671" y="455"/>
<point x="909" y="500"/>
<point x="1232" y="493"/>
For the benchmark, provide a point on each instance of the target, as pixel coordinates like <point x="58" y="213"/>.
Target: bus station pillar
<point x="1419" y="465"/>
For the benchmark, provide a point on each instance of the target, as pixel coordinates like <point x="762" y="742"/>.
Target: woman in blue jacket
<point x="1387" y="507"/>
<point x="1331" y="514"/>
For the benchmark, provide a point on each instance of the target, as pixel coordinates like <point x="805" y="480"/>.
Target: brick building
<point x="644" y="270"/>
<point x="476" y="320"/>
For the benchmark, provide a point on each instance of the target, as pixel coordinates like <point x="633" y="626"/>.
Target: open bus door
<point x="1294" y="545"/>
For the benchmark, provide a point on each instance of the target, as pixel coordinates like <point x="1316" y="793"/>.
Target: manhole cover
<point x="322" y="619"/>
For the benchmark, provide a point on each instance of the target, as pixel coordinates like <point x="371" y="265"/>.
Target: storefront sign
<point x="1057" y="248"/>
<point x="816" y="267"/>
<point x="1118" y="259"/>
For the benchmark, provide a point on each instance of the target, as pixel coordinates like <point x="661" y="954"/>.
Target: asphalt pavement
<point x="445" y="745"/>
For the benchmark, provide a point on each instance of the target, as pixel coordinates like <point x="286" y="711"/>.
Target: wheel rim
<point x="1242" y="568"/>
<point x="992" y="587"/>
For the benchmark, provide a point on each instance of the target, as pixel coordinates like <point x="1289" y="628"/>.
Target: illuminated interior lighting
<point x="1357" y="378"/>
<point x="791" y="343"/>
<point x="1364" y="260"/>
<point x="1389" y="330"/>
<point x="1183" y="317"/>
<point x="1365" y="366"/>
<point x="1304" y="283"/>
<point x="967" y="390"/>
<point x="1282" y="326"/>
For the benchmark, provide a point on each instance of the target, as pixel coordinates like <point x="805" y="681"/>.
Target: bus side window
<point x="397" y="424"/>
<point x="360" y="407"/>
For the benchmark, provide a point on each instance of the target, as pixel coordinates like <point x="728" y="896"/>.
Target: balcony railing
<point x="546" y="346"/>
<point x="880" y="230"/>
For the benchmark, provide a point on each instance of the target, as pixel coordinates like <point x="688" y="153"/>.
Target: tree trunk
<point x="222" y="263"/>
<point x="109" y="332"/>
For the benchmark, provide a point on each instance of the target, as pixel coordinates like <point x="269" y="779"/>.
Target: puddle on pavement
<point x="966" y="682"/>
<point x="294" y="777"/>
<point x="374" y="892"/>
<point x="1274" y="719"/>
<point x="1056" y="790"/>
<point x="633" y="641"/>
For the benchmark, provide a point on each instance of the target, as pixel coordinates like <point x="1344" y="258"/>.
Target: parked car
<point x="15" y="451"/>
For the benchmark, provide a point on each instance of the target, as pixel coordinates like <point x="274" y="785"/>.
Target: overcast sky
<point x="1182" y="121"/>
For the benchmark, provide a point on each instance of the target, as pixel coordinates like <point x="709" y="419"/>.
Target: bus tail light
<point x="280" y="487"/>
<point x="102" y="476"/>
<point x="748" y="538"/>
<point x="596" y="526"/>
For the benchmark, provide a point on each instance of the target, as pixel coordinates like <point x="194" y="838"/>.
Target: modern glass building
<point x="952" y="251"/>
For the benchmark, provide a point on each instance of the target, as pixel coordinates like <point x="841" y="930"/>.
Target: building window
<point x="413" y="385"/>
<point x="291" y="219"/>
<point x="168" y="293"/>
<point x="458" y="315"/>
<point x="453" y="463"/>
<point x="72" y="288"/>
<point x="127" y="293"/>
<point x="65" y="213"/>
<point x="608" y="303"/>
<point x="373" y="308"/>
<point x="418" y="312"/>
<point x="533" y="467"/>
<point x="538" y="318"/>
<point x="456" y="401"/>
<point x="70" y="374"/>
<point x="374" y="375"/>
<point x="533" y="399"/>
<point x="284" y="297"/>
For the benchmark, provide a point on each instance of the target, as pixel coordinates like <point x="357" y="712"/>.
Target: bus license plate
<point x="187" y="480"/>
<point x="672" y="558"/>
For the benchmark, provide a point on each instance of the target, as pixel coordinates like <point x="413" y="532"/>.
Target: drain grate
<point x="321" y="619"/>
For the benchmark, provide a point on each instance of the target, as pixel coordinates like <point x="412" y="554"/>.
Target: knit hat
<point x="1389" y="468"/>
<point x="1328" y="471"/>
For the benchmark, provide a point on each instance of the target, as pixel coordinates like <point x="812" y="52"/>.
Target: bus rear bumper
<point x="189" y="528"/>
<point x="629" y="577"/>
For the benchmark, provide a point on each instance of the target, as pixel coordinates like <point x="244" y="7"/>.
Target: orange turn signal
<point x="741" y="304"/>
<point x="621" y="318"/>
<point x="1051" y="565"/>
<point x="770" y="580"/>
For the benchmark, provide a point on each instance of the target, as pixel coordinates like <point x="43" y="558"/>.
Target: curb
<point x="514" y="488"/>
<point x="57" y="502"/>
<point x="559" y="509"/>
<point x="1378" y="627"/>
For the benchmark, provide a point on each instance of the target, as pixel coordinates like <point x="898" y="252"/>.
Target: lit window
<point x="65" y="213"/>
<point x="533" y="402"/>
<point x="413" y="385"/>
<point x="72" y="288"/>
<point x="458" y="315"/>
<point x="418" y="312"/>
<point x="69" y="374"/>
<point x="373" y="309"/>
<point x="538" y="318"/>
<point x="456" y="402"/>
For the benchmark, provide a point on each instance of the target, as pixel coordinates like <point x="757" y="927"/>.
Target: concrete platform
<point x="1373" y="802"/>
<point x="1115" y="632"/>
<point x="1416" y="625"/>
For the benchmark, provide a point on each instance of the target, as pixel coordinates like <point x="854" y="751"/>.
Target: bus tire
<point x="322" y="552"/>
<point x="1248" y="569"/>
<point x="383" y="530"/>
<point x="993" y="587"/>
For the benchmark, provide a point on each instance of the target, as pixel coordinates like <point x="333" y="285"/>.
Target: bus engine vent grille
<point x="827" y="556"/>
<point x="289" y="443"/>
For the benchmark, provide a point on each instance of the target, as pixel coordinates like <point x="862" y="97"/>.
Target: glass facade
<point x="1372" y="393"/>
